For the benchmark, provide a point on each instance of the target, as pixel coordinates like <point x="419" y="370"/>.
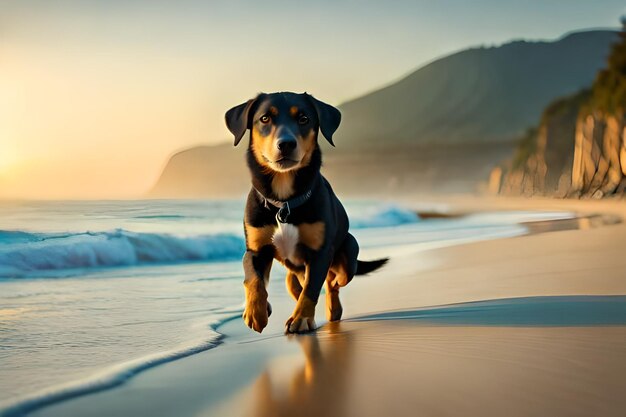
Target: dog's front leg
<point x="302" y="319"/>
<point x="257" y="267"/>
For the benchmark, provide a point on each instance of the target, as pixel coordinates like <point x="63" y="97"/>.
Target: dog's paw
<point x="300" y="325"/>
<point x="256" y="314"/>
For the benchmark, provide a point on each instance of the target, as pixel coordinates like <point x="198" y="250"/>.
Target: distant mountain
<point x="442" y="128"/>
<point x="478" y="95"/>
<point x="204" y="171"/>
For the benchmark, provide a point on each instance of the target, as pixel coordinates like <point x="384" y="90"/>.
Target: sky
<point x="95" y="95"/>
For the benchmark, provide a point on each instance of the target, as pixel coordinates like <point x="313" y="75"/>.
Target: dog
<point x="292" y="214"/>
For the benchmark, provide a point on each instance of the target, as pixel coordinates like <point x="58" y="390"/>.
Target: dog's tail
<point x="365" y="267"/>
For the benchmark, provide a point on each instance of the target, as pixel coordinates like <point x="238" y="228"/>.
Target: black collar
<point x="285" y="207"/>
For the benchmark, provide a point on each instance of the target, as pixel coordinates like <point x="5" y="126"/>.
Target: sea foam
<point x="117" y="374"/>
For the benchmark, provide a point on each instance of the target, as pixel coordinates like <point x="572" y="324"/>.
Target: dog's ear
<point x="329" y="117"/>
<point x="238" y="119"/>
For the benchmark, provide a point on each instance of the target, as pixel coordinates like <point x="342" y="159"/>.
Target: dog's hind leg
<point x="334" y="310"/>
<point x="345" y="262"/>
<point x="340" y="274"/>
<point x="293" y="285"/>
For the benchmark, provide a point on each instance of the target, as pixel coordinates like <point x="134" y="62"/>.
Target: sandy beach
<point x="530" y="325"/>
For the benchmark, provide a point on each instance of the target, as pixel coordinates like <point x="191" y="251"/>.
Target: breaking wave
<point x="23" y="253"/>
<point x="383" y="217"/>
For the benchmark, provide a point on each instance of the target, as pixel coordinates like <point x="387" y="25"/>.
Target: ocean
<point x="93" y="292"/>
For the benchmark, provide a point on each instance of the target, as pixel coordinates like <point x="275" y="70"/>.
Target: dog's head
<point x="284" y="128"/>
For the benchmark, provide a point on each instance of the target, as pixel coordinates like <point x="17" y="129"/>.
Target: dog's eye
<point x="265" y="119"/>
<point x="303" y="119"/>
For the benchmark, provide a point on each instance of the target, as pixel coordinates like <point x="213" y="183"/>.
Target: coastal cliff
<point x="579" y="148"/>
<point x="599" y="167"/>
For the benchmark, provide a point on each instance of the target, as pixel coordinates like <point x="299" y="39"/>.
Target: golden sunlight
<point x="8" y="158"/>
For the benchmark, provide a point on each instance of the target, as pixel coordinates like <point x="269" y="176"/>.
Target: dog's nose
<point x="286" y="145"/>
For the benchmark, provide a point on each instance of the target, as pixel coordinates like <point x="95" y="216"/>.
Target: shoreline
<point x="233" y="336"/>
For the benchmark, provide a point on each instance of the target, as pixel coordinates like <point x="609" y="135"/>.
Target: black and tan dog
<point x="292" y="213"/>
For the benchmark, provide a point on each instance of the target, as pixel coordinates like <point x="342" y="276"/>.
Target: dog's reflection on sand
<point x="317" y="388"/>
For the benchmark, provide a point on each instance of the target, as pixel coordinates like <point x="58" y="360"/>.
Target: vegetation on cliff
<point x="609" y="88"/>
<point x="579" y="148"/>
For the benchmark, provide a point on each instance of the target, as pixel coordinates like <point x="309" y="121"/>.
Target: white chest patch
<point x="285" y="240"/>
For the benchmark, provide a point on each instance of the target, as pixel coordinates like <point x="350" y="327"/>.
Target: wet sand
<point x="402" y="369"/>
<point x="532" y="325"/>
